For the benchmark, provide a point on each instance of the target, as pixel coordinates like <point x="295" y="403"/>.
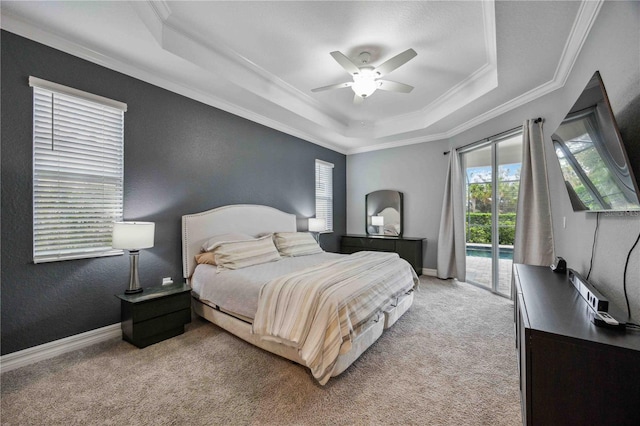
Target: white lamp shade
<point x="316" y="225"/>
<point x="133" y="235"/>
<point x="377" y="220"/>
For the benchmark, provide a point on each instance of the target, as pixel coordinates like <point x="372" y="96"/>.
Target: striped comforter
<point x="319" y="310"/>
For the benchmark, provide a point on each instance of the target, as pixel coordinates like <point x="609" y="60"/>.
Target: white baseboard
<point x="28" y="356"/>
<point x="430" y="272"/>
<point x="38" y="353"/>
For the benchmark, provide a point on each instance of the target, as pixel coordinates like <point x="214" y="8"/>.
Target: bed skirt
<point x="367" y="336"/>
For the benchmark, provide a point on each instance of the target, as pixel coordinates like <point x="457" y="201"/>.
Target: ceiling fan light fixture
<point x="364" y="87"/>
<point x="364" y="83"/>
<point x="365" y="77"/>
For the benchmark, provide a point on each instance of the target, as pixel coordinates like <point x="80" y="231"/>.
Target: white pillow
<point x="213" y="242"/>
<point x="241" y="254"/>
<point x="293" y="244"/>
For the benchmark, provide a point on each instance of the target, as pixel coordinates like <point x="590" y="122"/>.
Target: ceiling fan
<point x="366" y="79"/>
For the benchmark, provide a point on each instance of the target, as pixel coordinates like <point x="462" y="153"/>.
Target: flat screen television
<point x="592" y="155"/>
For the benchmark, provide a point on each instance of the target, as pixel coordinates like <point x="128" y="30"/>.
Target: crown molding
<point x="246" y="76"/>
<point x="478" y="83"/>
<point x="400" y="143"/>
<point x="156" y="14"/>
<point x="580" y="29"/>
<point x="587" y="14"/>
<point x="160" y="7"/>
<point x="179" y="39"/>
<point x="482" y="81"/>
<point x="33" y="32"/>
<point x="213" y="56"/>
<point x="489" y="18"/>
<point x="152" y="15"/>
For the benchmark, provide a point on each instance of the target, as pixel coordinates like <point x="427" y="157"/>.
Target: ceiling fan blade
<point x="357" y="99"/>
<point x="395" y="62"/>
<point x="392" y="86"/>
<point x="345" y="62"/>
<point x="333" y="86"/>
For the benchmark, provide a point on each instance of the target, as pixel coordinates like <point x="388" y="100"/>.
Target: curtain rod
<point x="537" y="120"/>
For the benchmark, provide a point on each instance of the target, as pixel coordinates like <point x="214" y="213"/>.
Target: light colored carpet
<point x="450" y="360"/>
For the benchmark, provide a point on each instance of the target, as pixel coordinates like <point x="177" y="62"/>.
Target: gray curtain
<point x="451" y="237"/>
<point x="534" y="232"/>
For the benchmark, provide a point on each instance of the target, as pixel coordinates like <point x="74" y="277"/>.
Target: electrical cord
<point x="624" y="279"/>
<point x="593" y="247"/>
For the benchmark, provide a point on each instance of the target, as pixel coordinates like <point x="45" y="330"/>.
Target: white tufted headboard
<point x="246" y="218"/>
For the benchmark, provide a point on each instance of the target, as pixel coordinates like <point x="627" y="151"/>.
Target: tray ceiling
<point x="260" y="60"/>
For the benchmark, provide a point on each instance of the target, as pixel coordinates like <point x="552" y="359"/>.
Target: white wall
<point x="416" y="170"/>
<point x="613" y="48"/>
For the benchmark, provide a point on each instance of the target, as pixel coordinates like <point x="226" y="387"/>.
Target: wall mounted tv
<point x="593" y="158"/>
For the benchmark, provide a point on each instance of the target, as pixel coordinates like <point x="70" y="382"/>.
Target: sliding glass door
<point x="492" y="177"/>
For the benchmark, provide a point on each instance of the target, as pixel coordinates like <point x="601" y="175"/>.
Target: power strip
<point x="593" y="297"/>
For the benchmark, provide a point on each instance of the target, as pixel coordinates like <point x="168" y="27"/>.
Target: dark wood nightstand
<point x="156" y="314"/>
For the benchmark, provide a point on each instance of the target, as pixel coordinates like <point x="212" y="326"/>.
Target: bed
<point x="357" y="297"/>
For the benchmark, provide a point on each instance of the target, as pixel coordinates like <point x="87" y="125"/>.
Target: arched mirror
<point x="384" y="213"/>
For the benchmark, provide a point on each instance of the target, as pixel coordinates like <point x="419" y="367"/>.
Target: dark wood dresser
<point x="571" y="372"/>
<point x="408" y="248"/>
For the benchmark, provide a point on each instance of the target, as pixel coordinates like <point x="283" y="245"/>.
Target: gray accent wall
<point x="181" y="157"/>
<point x="613" y="48"/>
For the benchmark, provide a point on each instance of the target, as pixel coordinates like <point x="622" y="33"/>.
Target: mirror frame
<point x="368" y="212"/>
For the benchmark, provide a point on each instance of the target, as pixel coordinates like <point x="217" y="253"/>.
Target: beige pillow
<point x="241" y="254"/>
<point x="208" y="257"/>
<point x="214" y="241"/>
<point x="293" y="244"/>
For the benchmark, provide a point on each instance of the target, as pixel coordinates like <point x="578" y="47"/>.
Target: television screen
<point x="592" y="157"/>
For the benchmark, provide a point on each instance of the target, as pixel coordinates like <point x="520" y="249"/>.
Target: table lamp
<point x="133" y="236"/>
<point x="379" y="222"/>
<point x="316" y="225"/>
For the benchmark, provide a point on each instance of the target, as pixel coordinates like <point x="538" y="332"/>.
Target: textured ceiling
<point x="260" y="60"/>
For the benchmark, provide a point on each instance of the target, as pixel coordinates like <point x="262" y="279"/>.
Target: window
<point x="324" y="193"/>
<point x="78" y="168"/>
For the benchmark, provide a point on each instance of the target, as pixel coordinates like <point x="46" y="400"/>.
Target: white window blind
<point x="324" y="193"/>
<point x="78" y="168"/>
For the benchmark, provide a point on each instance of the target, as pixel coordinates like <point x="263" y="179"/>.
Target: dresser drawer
<point x="157" y="329"/>
<point x="409" y="249"/>
<point x="158" y="307"/>
<point x="158" y="325"/>
<point x="369" y="243"/>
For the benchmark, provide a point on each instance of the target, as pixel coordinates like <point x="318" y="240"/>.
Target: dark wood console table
<point x="408" y="248"/>
<point x="571" y="372"/>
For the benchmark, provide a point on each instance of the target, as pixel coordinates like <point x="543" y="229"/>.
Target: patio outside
<point x="479" y="272"/>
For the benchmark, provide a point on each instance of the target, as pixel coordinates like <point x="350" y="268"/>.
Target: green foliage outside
<point x="478" y="220"/>
<point x="479" y="228"/>
<point x="605" y="191"/>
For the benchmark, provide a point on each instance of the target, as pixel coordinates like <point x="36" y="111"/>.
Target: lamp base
<point x="134" y="282"/>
